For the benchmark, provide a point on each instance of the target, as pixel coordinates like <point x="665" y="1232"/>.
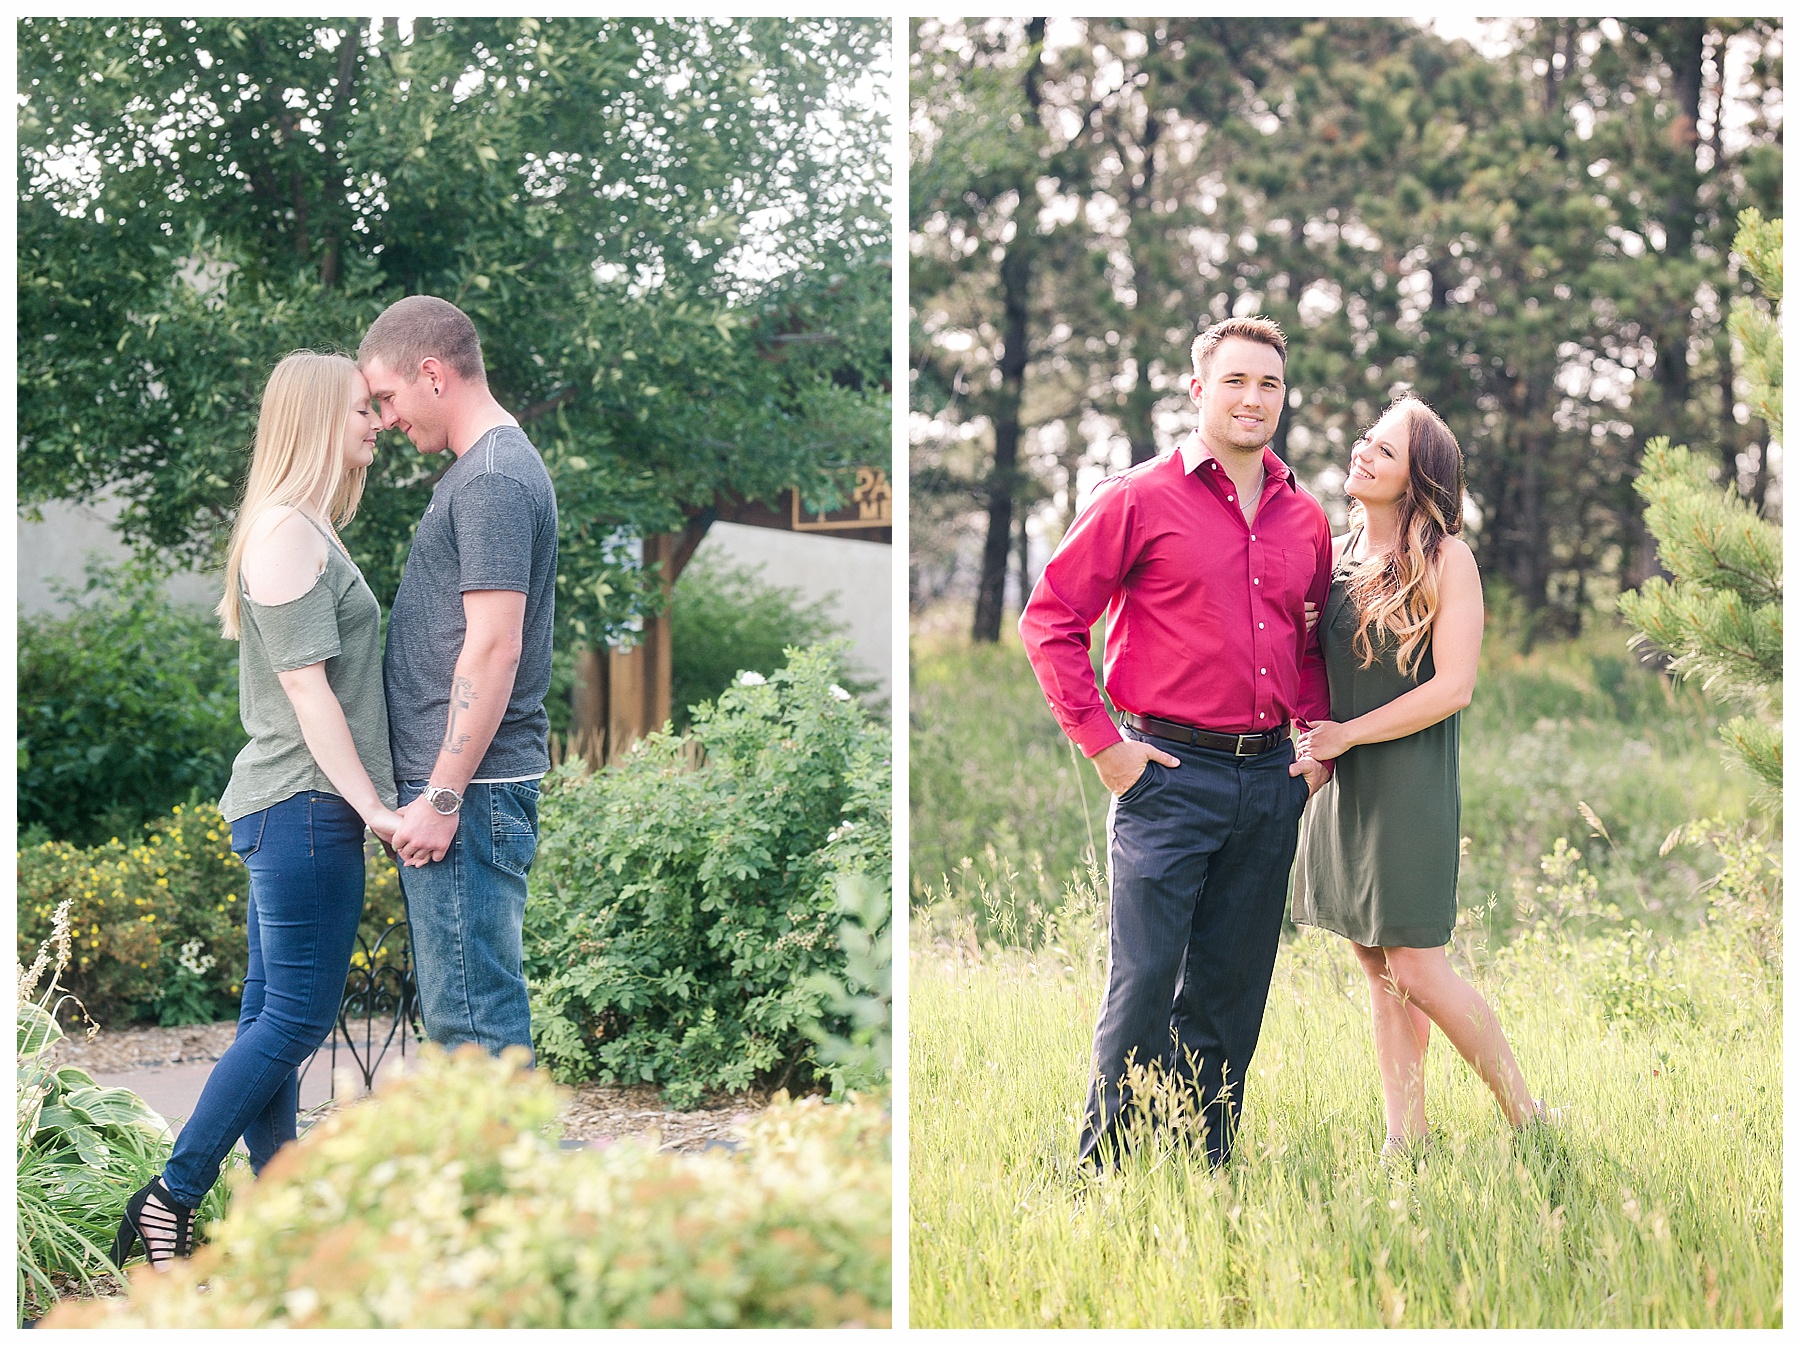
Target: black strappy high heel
<point x="166" y="1229"/>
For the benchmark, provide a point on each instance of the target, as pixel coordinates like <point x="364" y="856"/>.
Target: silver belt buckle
<point x="1239" y="751"/>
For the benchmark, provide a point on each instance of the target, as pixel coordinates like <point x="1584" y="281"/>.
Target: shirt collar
<point x="1194" y="452"/>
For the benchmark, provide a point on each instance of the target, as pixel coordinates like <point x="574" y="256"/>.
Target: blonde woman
<point x="315" y="772"/>
<point x="1379" y="845"/>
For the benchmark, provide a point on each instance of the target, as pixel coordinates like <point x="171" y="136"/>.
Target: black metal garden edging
<point x="380" y="1008"/>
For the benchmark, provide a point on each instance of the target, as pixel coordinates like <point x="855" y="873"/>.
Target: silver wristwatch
<point x="443" y="799"/>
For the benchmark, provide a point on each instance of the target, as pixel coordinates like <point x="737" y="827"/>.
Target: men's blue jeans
<point x="305" y="857"/>
<point x="466" y="913"/>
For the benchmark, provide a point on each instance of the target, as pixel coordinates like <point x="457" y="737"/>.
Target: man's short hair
<point x="419" y="327"/>
<point x="1264" y="330"/>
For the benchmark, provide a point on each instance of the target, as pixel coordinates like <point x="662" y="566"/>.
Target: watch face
<point x="444" y="801"/>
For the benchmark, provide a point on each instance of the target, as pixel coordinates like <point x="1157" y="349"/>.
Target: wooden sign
<point x="871" y="506"/>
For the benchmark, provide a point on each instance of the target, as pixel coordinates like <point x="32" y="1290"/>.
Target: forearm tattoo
<point x="462" y="695"/>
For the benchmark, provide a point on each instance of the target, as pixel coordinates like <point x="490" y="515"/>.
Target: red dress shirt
<point x="1205" y="623"/>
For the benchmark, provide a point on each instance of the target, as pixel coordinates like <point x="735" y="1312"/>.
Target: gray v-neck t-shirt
<point x="491" y="524"/>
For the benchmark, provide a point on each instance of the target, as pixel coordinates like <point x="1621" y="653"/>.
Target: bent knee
<point x="1416" y="970"/>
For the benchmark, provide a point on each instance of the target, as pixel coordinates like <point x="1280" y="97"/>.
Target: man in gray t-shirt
<point x="491" y="525"/>
<point x="466" y="669"/>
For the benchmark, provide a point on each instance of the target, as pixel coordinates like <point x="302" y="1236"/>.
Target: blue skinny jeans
<point x="305" y="857"/>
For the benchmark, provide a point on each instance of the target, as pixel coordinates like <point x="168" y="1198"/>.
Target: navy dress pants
<point x="1199" y="857"/>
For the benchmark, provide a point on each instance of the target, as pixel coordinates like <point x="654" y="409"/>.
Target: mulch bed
<point x="596" y="1113"/>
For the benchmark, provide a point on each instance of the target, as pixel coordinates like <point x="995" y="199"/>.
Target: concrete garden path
<point x="168" y="1067"/>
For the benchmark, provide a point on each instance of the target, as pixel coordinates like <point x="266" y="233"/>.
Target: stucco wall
<point x="854" y="576"/>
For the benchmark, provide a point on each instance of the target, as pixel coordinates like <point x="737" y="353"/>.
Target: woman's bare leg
<point x="1426" y="979"/>
<point x="1402" y="1033"/>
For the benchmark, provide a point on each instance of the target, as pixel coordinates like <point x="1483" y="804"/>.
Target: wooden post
<point x="625" y="694"/>
<point x="589" y="728"/>
<point x="626" y="675"/>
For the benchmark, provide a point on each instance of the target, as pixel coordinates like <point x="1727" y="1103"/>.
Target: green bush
<point x="678" y="912"/>
<point x="442" y="1203"/>
<point x="158" y="925"/>
<point x="862" y="995"/>
<point x="725" y="619"/>
<point x="722" y="620"/>
<point x="127" y="704"/>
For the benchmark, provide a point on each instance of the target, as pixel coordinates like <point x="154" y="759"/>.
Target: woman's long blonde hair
<point x="1397" y="591"/>
<point x="299" y="455"/>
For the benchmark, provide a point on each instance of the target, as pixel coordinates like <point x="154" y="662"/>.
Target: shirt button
<point x="1263" y="671"/>
<point x="1256" y="581"/>
<point x="1261" y="716"/>
<point x="1231" y="497"/>
<point x="1259" y="626"/>
<point x="1253" y="537"/>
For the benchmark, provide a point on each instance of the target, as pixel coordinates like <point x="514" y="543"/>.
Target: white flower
<point x="199" y="967"/>
<point x="750" y="679"/>
<point x="839" y="692"/>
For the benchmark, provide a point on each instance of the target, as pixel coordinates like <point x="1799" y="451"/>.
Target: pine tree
<point x="1720" y="616"/>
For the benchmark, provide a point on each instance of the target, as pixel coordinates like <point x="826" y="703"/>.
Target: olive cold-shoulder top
<point x="337" y="621"/>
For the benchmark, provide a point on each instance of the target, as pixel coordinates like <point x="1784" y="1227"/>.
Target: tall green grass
<point x="994" y="782"/>
<point x="1650" y="1019"/>
<point x="1654" y="1201"/>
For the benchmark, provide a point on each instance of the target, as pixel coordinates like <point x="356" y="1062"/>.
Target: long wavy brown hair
<point x="1396" y="591"/>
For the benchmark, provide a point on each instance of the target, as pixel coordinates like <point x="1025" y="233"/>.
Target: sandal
<point x="156" y="1219"/>
<point x="1400" y="1147"/>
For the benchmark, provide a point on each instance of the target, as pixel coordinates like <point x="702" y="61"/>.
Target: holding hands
<point x="423" y="835"/>
<point x="383" y="822"/>
<point x="416" y="835"/>
<point x="1325" y="740"/>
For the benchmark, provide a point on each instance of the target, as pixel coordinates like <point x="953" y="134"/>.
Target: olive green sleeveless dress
<point x="1379" y="843"/>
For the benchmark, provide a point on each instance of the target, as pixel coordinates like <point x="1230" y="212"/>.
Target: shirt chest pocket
<point x="1290" y="575"/>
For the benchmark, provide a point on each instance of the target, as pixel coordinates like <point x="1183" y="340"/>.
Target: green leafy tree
<point x="1534" y="240"/>
<point x="978" y="156"/>
<point x="672" y="235"/>
<point x="1719" y="617"/>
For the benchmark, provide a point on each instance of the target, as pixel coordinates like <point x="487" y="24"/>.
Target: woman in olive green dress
<point x="1379" y="845"/>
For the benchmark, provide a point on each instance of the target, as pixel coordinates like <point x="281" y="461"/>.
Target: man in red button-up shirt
<point x="1204" y="563"/>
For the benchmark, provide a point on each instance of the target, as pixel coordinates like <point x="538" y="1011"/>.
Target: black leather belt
<point x="1239" y="745"/>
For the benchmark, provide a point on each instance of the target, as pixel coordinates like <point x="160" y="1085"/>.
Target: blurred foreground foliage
<point x="445" y="1202"/>
<point x="82" y="1148"/>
